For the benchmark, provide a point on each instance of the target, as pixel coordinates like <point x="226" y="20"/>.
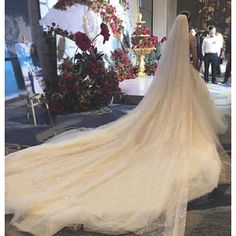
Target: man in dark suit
<point x="228" y="56"/>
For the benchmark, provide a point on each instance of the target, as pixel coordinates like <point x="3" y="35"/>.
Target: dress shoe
<point x="224" y="82"/>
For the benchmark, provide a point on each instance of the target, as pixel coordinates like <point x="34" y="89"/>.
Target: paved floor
<point x="209" y="215"/>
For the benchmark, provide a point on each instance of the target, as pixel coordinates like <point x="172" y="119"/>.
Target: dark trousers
<point x="210" y="58"/>
<point x="218" y="70"/>
<point x="227" y="70"/>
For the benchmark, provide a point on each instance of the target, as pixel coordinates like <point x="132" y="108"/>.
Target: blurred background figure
<point x="195" y="33"/>
<point x="222" y="53"/>
<point x="192" y="32"/>
<point x="192" y="42"/>
<point x="193" y="48"/>
<point x="163" y="44"/>
<point x="211" y="52"/>
<point x="200" y="35"/>
<point x="228" y="58"/>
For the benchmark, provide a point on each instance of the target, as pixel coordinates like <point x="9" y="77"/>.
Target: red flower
<point x="154" y="40"/>
<point x="62" y="90"/>
<point x="82" y="41"/>
<point x="67" y="75"/>
<point x="56" y="106"/>
<point x="163" y="39"/>
<point x="105" y="32"/>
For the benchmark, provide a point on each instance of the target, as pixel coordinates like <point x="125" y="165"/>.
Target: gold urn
<point x="141" y="52"/>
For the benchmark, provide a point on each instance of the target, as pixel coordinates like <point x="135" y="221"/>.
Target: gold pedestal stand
<point x="141" y="53"/>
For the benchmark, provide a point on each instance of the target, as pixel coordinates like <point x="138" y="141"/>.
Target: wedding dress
<point x="133" y="175"/>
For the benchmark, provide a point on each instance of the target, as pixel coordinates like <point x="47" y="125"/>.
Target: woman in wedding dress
<point x="136" y="174"/>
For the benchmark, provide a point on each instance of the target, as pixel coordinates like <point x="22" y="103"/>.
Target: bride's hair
<point x="186" y="13"/>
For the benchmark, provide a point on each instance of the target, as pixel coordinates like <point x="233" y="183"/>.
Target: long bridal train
<point x="133" y="175"/>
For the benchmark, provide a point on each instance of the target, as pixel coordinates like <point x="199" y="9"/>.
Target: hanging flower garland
<point x="108" y="14"/>
<point x="105" y="10"/>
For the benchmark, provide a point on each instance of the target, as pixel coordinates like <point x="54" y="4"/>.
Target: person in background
<point x="211" y="53"/>
<point x="222" y="53"/>
<point x="162" y="44"/>
<point x="192" y="32"/>
<point x="198" y="38"/>
<point x="228" y="58"/>
<point x="200" y="35"/>
<point x="192" y="43"/>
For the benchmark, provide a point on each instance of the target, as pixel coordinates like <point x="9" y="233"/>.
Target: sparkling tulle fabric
<point x="133" y="175"/>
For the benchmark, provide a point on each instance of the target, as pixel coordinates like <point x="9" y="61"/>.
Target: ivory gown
<point x="133" y="175"/>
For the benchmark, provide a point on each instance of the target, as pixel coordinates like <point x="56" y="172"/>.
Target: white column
<point x="133" y="9"/>
<point x="159" y="18"/>
<point x="171" y="14"/>
<point x="164" y="13"/>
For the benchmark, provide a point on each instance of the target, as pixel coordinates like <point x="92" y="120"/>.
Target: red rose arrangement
<point x="150" y="67"/>
<point x="123" y="66"/>
<point x="142" y="30"/>
<point x="84" y="82"/>
<point x="141" y="38"/>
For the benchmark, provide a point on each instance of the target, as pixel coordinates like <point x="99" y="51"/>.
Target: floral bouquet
<point x="141" y="38"/>
<point x="150" y="67"/>
<point x="84" y="82"/>
<point x="123" y="66"/>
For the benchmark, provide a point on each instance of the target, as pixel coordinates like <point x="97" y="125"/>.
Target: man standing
<point x="193" y="46"/>
<point x="211" y="53"/>
<point x="228" y="56"/>
<point x="192" y="43"/>
<point x="221" y="57"/>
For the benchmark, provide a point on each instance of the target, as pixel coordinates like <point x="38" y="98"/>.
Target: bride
<point x="133" y="175"/>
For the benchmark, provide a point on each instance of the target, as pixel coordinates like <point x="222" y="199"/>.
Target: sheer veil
<point x="133" y="175"/>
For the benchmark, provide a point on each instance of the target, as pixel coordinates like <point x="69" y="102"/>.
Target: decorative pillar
<point x="164" y="13"/>
<point x="36" y="29"/>
<point x="46" y="50"/>
<point x="159" y="18"/>
<point x="133" y="9"/>
<point x="171" y="14"/>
